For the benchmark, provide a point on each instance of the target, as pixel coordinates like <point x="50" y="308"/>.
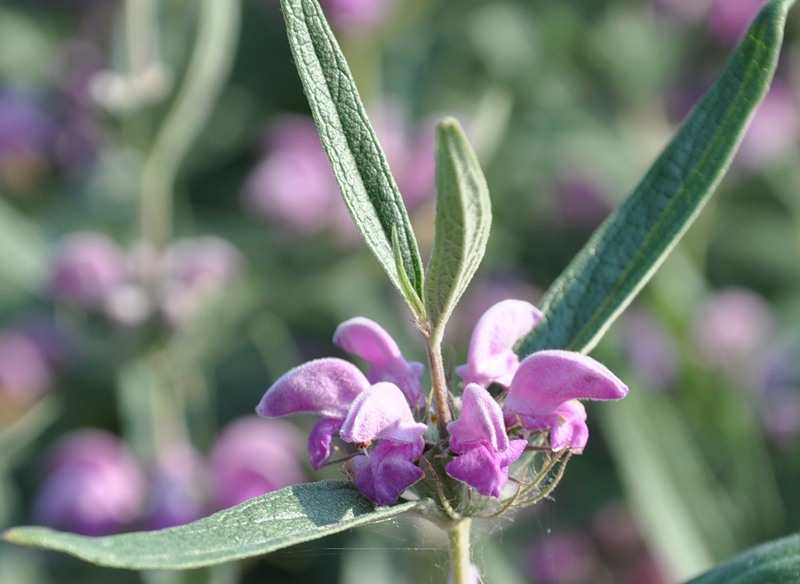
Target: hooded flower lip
<point x="479" y="437"/>
<point x="386" y="470"/>
<point x="325" y="387"/>
<point x="366" y="339"/>
<point x="481" y="421"/>
<point x="542" y="395"/>
<point x="381" y="413"/>
<point x="491" y="357"/>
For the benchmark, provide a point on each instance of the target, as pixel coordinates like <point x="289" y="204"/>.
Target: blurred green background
<point x="138" y="124"/>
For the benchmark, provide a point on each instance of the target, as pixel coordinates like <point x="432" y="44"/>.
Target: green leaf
<point x="772" y="563"/>
<point x="463" y="220"/>
<point x="358" y="162"/>
<point x="625" y="251"/>
<point x="412" y="298"/>
<point x="271" y="522"/>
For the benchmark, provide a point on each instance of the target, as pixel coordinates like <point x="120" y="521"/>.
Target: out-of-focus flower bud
<point x="253" y="456"/>
<point x="196" y="271"/>
<point x="87" y="269"/>
<point x="731" y="326"/>
<point x="94" y="485"/>
<point x="24" y="372"/>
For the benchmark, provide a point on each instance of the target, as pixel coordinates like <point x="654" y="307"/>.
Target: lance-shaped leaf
<point x="776" y="561"/>
<point x="463" y="220"/>
<point x="625" y="251"/>
<point x="358" y="162"/>
<point x="271" y="522"/>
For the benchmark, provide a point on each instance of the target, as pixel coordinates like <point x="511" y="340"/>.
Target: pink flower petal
<point x="325" y="387"/>
<point x="491" y="357"/>
<point x="483" y="469"/>
<point x="481" y="420"/>
<point x="381" y="412"/>
<point x="368" y="340"/>
<point x="320" y="441"/>
<point x="388" y="470"/>
<point x="568" y="427"/>
<point x="547" y="379"/>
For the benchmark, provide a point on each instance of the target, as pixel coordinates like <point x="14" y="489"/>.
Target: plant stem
<point x="440" y="391"/>
<point x="459" y="551"/>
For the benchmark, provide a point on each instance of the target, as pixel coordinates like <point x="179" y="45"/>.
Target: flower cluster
<point x="381" y="423"/>
<point x="90" y="272"/>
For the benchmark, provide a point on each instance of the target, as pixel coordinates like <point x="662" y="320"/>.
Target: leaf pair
<point x="369" y="189"/>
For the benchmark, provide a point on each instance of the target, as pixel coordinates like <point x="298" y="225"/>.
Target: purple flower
<point x="543" y="388"/>
<point x="325" y="387"/>
<point x="360" y="413"/>
<point x="491" y="357"/>
<point x="366" y="339"/>
<point x="544" y="392"/>
<point x="94" y="485"/>
<point x="384" y="472"/>
<point x="479" y="437"/>
<point x="87" y="269"/>
<point x="253" y="456"/>
<point x="373" y="413"/>
<point x="381" y="413"/>
<point x="387" y="470"/>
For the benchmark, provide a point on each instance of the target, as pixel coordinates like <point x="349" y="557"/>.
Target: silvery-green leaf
<point x="358" y="162"/>
<point x="771" y="563"/>
<point x="625" y="251"/>
<point x="463" y="220"/>
<point x="267" y="523"/>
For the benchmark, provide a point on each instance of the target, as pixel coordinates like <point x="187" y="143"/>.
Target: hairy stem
<point x="459" y="551"/>
<point x="440" y="392"/>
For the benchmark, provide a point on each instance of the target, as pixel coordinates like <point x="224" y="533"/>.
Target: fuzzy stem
<point x="459" y="551"/>
<point x="440" y="391"/>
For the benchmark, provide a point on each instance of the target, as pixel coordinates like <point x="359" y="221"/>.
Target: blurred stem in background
<point x="150" y="403"/>
<point x="205" y="78"/>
